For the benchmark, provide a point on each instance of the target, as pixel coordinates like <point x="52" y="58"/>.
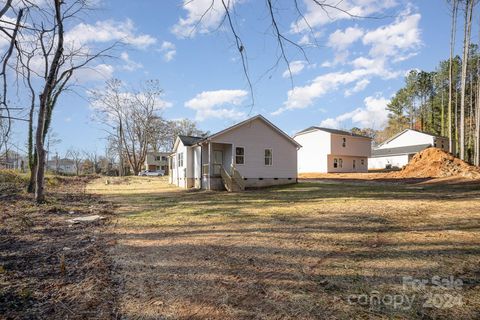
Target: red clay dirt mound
<point x="434" y="163"/>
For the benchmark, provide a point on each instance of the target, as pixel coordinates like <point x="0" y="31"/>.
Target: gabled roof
<point x="186" y="141"/>
<point x="189" y="140"/>
<point x="376" y="153"/>
<point x="333" y="131"/>
<point x="259" y="117"/>
<point x="402" y="132"/>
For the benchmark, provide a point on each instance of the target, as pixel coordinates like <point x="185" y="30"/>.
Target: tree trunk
<point x="476" y="160"/>
<point x="450" y="72"/>
<point x="44" y="112"/>
<point x="40" y="169"/>
<point x="466" y="44"/>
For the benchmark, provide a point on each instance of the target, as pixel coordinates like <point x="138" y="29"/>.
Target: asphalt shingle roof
<point x="189" y="140"/>
<point x="334" y="131"/>
<point x="399" y="151"/>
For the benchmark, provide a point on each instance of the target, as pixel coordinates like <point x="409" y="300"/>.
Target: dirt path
<point x="297" y="252"/>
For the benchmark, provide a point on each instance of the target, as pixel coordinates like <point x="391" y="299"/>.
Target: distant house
<point x="13" y="161"/>
<point x="252" y="153"/>
<point x="64" y="165"/>
<point x="398" y="150"/>
<point x="330" y="150"/>
<point x="157" y="161"/>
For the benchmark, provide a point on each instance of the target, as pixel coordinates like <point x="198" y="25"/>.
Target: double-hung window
<point x="268" y="157"/>
<point x="239" y="155"/>
<point x="180" y="159"/>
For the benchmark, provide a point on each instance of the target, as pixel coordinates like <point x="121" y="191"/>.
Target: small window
<point x="268" y="157"/>
<point x="180" y="159"/>
<point x="340" y="162"/>
<point x="354" y="163"/>
<point x="362" y="162"/>
<point x="344" y="142"/>
<point x="335" y="163"/>
<point x="239" y="155"/>
<point x="157" y="158"/>
<point x="164" y="158"/>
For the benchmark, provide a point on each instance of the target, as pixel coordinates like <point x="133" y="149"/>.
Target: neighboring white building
<point x="157" y="161"/>
<point x="65" y="165"/>
<point x="252" y="153"/>
<point x="330" y="150"/>
<point x="397" y="151"/>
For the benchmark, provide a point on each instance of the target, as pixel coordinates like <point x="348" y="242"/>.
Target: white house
<point x="252" y="153"/>
<point x="330" y="150"/>
<point x="397" y="151"/>
<point x="65" y="165"/>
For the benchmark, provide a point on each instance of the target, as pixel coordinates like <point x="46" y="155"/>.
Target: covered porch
<point x="217" y="167"/>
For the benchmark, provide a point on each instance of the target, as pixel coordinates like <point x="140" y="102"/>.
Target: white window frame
<point x="180" y="159"/>
<point x="265" y="157"/>
<point x="235" y="155"/>
<point x="335" y="162"/>
<point x="340" y="162"/>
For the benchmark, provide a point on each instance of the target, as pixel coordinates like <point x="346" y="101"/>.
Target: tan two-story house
<point x="330" y="150"/>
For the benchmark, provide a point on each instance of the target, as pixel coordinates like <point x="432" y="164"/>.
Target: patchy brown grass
<point x="48" y="268"/>
<point x="294" y="252"/>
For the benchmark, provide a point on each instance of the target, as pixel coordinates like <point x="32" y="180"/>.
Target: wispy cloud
<point x="219" y="104"/>
<point x="169" y="50"/>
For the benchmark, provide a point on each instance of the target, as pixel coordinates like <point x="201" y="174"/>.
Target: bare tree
<point x="76" y="157"/>
<point x="130" y="117"/>
<point x="94" y="159"/>
<point x="46" y="64"/>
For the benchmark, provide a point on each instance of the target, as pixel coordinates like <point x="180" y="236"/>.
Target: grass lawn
<point x="323" y="249"/>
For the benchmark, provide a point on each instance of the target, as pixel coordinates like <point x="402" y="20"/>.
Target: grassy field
<point x="323" y="249"/>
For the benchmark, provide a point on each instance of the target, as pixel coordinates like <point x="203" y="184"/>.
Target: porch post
<point x="209" y="164"/>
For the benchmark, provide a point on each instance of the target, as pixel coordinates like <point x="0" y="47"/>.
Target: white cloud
<point x="359" y="86"/>
<point x="100" y="72"/>
<point x="129" y="64"/>
<point x="169" y="50"/>
<point x="373" y="115"/>
<point x="317" y="15"/>
<point x="340" y="40"/>
<point x="108" y="31"/>
<point x="295" y="68"/>
<point x="387" y="44"/>
<point x="202" y="17"/>
<point x="302" y="97"/>
<point x="392" y="40"/>
<point x="217" y="104"/>
<point x="339" y="58"/>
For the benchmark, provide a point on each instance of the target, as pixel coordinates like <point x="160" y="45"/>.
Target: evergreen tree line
<point x="445" y="101"/>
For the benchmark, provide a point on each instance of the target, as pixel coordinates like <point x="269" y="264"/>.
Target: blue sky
<point x="347" y="81"/>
